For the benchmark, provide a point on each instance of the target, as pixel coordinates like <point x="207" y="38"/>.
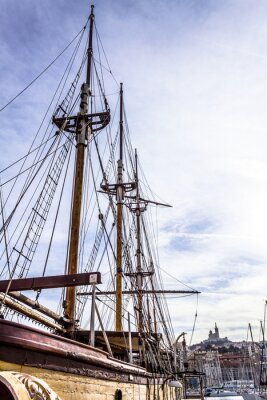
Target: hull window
<point x="118" y="394"/>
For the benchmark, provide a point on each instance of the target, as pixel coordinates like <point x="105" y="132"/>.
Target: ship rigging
<point x="105" y="246"/>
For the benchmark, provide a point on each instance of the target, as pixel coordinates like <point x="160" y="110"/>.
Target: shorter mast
<point x="139" y="272"/>
<point x="120" y="198"/>
<point x="138" y="206"/>
<point x="119" y="189"/>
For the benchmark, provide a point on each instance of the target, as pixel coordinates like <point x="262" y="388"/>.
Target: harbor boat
<point x="83" y="308"/>
<point x="219" y="392"/>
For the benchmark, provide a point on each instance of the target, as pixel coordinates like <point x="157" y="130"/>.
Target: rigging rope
<point x="108" y="69"/>
<point x="26" y="155"/>
<point x="44" y="70"/>
<point x="103" y="239"/>
<point x="33" y="165"/>
<point x="69" y="65"/>
<point x="193" y="330"/>
<point x="70" y="109"/>
<point x="57" y="212"/>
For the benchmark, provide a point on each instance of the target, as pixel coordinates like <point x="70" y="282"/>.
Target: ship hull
<point x="74" y="370"/>
<point x="70" y="386"/>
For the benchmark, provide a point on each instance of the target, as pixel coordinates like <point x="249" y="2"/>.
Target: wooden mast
<point x="83" y="131"/>
<point x="120" y="197"/>
<point x="139" y="272"/>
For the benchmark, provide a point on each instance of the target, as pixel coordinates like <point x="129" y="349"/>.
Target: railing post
<point x="92" y="320"/>
<point x="130" y="339"/>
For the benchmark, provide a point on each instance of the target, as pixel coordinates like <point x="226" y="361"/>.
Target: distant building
<point x="233" y="364"/>
<point x="209" y="363"/>
<point x="214" y="338"/>
<point x="236" y="367"/>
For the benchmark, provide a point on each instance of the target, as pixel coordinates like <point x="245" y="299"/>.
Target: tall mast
<point x="120" y="197"/>
<point x="83" y="131"/>
<point x="139" y="272"/>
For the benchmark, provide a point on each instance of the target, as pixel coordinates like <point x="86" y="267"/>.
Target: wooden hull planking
<point x="73" y="370"/>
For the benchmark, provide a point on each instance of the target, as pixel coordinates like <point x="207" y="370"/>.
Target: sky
<point x="195" y="82"/>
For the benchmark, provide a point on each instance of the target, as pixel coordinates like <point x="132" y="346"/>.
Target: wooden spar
<point x="125" y="292"/>
<point x="82" y="133"/>
<point x="32" y="309"/>
<point x="120" y="195"/>
<point x="50" y="282"/>
<point x="69" y="307"/>
<point x="29" y="312"/>
<point x="35" y="305"/>
<point x="119" y="270"/>
<point x="146" y="201"/>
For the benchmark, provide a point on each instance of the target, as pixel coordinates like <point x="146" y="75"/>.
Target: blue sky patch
<point x="183" y="243"/>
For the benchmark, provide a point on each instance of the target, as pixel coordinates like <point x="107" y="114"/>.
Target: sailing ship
<point x="100" y="261"/>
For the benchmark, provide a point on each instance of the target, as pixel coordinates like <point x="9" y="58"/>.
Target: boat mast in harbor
<point x="120" y="199"/>
<point x="82" y="134"/>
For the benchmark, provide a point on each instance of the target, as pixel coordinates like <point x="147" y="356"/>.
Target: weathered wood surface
<point x="30" y="346"/>
<point x="50" y="282"/>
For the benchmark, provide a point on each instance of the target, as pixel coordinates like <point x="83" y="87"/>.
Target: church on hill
<point x="214" y="342"/>
<point x="214" y="337"/>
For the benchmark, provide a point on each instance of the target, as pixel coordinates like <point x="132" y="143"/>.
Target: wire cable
<point x="44" y="70"/>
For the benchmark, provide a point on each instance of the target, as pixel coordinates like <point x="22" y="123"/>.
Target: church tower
<point x="216" y="334"/>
